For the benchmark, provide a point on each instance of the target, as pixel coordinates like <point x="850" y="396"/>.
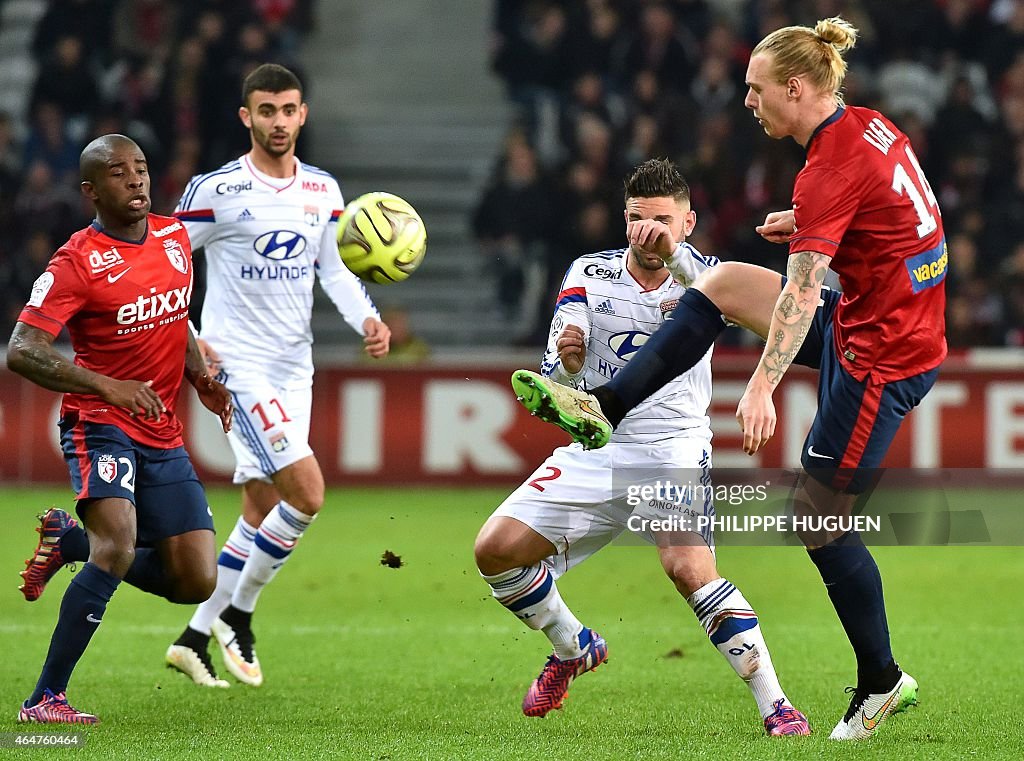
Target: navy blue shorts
<point x="162" y="484"/>
<point x="856" y="420"/>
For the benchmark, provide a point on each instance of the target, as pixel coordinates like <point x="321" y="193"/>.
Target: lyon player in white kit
<point x="578" y="501"/>
<point x="268" y="224"/>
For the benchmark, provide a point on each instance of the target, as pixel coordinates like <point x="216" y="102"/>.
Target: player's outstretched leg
<point x="51" y="554"/>
<point x="868" y="710"/>
<point x="54" y="709"/>
<point x="233" y="632"/>
<point x="190" y="655"/>
<point x="575" y="412"/>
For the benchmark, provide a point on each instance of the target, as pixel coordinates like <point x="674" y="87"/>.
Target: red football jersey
<point x="125" y="305"/>
<point x="863" y="200"/>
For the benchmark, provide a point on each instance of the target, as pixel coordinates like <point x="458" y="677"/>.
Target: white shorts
<point x="270" y="428"/>
<point x="581" y="500"/>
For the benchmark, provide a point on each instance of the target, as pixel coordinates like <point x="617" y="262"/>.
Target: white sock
<point x="532" y="596"/>
<point x="732" y="627"/>
<point x="229" y="568"/>
<point x="275" y="539"/>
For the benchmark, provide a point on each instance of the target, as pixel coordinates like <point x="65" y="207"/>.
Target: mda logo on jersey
<point x="625" y="345"/>
<point x="278" y="245"/>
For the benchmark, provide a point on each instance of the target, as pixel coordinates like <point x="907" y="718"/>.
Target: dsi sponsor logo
<point x="929" y="268"/>
<point x="278" y="245"/>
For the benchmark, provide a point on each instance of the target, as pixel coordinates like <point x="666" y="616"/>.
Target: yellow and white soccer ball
<point x="381" y="238"/>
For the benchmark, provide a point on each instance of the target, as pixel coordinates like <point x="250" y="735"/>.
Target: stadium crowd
<point x="600" y="85"/>
<point x="166" y="73"/>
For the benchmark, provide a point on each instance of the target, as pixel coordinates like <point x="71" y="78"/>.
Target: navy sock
<point x="74" y="545"/>
<point x="81" y="611"/>
<point x="148" y="574"/>
<point x="855" y="587"/>
<point x="674" y="348"/>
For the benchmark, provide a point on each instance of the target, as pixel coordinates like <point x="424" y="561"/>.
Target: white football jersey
<point x="266" y="239"/>
<point x="617" y="317"/>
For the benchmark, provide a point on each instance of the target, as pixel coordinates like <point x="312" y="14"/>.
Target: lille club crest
<point x="106" y="468"/>
<point x="176" y="255"/>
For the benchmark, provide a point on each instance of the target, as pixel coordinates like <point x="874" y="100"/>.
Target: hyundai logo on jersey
<point x="625" y="345"/>
<point x="280" y="244"/>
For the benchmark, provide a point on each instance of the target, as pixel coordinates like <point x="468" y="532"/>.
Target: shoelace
<point x="859" y="696"/>
<point x="58" y="703"/>
<point x="784" y="712"/>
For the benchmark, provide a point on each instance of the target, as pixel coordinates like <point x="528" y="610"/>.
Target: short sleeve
<point x="57" y="295"/>
<point x="195" y="210"/>
<point x="824" y="204"/>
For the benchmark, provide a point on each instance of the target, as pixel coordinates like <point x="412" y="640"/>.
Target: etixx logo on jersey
<point x="625" y="345"/>
<point x="278" y="245"/>
<point x="176" y="255"/>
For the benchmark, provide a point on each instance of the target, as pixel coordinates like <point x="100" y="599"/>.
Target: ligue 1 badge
<point x="106" y="467"/>
<point x="176" y="255"/>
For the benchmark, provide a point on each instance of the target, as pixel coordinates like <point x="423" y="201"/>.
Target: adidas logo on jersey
<point x="245" y="216"/>
<point x="605" y="307"/>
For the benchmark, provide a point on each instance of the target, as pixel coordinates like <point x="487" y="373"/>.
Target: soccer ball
<point x="381" y="238"/>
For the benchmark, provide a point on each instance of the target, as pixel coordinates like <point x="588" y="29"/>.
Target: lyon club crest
<point x="106" y="468"/>
<point x="176" y="255"/>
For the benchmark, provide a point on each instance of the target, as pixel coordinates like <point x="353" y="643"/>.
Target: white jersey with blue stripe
<point x="266" y="240"/>
<point x="617" y="316"/>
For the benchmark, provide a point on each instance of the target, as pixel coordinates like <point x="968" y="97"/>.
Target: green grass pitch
<point x="368" y="662"/>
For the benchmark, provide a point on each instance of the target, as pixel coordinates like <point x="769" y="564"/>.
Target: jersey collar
<point x="274" y="183"/>
<point x="836" y="115"/>
<point x="95" y="225"/>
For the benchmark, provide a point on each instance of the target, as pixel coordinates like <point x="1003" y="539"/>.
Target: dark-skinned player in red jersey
<point x="122" y="288"/>
<point x="862" y="206"/>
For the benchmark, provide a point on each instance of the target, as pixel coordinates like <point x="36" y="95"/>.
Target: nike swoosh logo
<point x="112" y="278"/>
<point x="585" y="406"/>
<point x="93" y="620"/>
<point x="812" y="453"/>
<point x="870" y="722"/>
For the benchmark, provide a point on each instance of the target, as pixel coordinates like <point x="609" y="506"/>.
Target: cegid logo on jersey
<point x="601" y="272"/>
<point x="224" y="188"/>
<point x="157" y="309"/>
<point x="929" y="268"/>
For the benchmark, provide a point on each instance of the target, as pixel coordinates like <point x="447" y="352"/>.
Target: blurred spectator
<point x="49" y="143"/>
<point x="66" y="81"/>
<point x="659" y="46"/>
<point x="513" y="225"/>
<point x="44" y="204"/>
<point x="407" y="348"/>
<point x="145" y="28"/>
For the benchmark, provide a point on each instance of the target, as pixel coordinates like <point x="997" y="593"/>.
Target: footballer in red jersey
<point x="862" y="206"/>
<point x="122" y="288"/>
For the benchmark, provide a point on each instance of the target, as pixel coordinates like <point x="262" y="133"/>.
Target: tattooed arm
<point x="31" y="354"/>
<point x="790" y="323"/>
